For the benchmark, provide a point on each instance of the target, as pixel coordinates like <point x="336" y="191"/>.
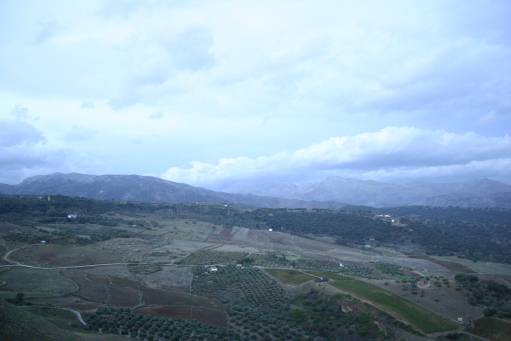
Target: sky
<point x="207" y="92"/>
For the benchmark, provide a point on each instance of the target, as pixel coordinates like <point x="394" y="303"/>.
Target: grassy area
<point x="292" y="277"/>
<point x="492" y="328"/>
<point x="62" y="318"/>
<point x="420" y="318"/>
<point x="36" y="282"/>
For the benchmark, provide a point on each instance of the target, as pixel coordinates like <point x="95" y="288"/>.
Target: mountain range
<point x="474" y="193"/>
<point x="332" y="192"/>
<point x="142" y="189"/>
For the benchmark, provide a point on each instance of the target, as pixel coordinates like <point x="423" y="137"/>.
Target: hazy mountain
<point x="141" y="189"/>
<point x="328" y="193"/>
<point x="6" y="189"/>
<point x="478" y="193"/>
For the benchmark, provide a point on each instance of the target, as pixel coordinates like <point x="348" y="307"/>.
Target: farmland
<point x="292" y="277"/>
<point x="154" y="273"/>
<point x="420" y="318"/>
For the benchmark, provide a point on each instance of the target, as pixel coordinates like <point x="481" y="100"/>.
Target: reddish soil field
<point x="279" y="238"/>
<point x="256" y="236"/>
<point x="223" y="236"/>
<point x="63" y="255"/>
<point x="174" y="297"/>
<point x="123" y="296"/>
<point x="102" y="289"/>
<point x="92" y="287"/>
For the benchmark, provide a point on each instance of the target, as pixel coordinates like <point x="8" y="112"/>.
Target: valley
<point x="155" y="271"/>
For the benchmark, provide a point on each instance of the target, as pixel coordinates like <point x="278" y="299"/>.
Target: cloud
<point x="20" y="111"/>
<point x="23" y="151"/>
<point x="79" y="134"/>
<point x="392" y="149"/>
<point x="46" y="31"/>
<point x="258" y="77"/>
<point x="15" y="133"/>
<point x="156" y="115"/>
<point x="494" y="168"/>
<point x="191" y="50"/>
<point x="87" y="105"/>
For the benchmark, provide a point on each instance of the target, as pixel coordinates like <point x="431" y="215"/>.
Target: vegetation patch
<point x="145" y="327"/>
<point x="495" y="297"/>
<point x="35" y="282"/>
<point x="60" y="317"/>
<point x="143" y="269"/>
<point x="213" y="257"/>
<point x="492" y="328"/>
<point x="204" y="315"/>
<point x="420" y="318"/>
<point x="452" y="266"/>
<point x="339" y="317"/>
<point x="292" y="277"/>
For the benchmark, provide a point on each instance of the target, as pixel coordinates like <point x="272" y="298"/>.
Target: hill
<point x="17" y="325"/>
<point x="138" y="188"/>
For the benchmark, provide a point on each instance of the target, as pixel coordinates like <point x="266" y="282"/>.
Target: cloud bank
<point x="392" y="152"/>
<point x="135" y="87"/>
<point x="23" y="151"/>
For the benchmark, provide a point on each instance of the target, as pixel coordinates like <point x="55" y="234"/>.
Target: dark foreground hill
<point x="19" y="325"/>
<point x="138" y="188"/>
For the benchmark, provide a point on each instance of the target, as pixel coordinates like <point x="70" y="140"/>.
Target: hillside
<point x="141" y="189"/>
<point x="18" y="325"/>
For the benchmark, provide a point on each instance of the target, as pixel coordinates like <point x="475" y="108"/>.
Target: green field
<point x="420" y="318"/>
<point x="292" y="277"/>
<point x="36" y="282"/>
<point x="492" y="328"/>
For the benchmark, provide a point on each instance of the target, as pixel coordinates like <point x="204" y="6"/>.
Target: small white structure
<point x="270" y="230"/>
<point x="213" y="269"/>
<point x="459" y="320"/>
<point x="341" y="265"/>
<point x="225" y="205"/>
<point x="367" y="246"/>
<point x="72" y="216"/>
<point x="43" y="241"/>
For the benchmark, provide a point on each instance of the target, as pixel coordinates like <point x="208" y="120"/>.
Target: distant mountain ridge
<point x="477" y="193"/>
<point x="332" y="192"/>
<point x="141" y="189"/>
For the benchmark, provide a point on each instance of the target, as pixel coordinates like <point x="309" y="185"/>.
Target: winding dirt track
<point x="14" y="263"/>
